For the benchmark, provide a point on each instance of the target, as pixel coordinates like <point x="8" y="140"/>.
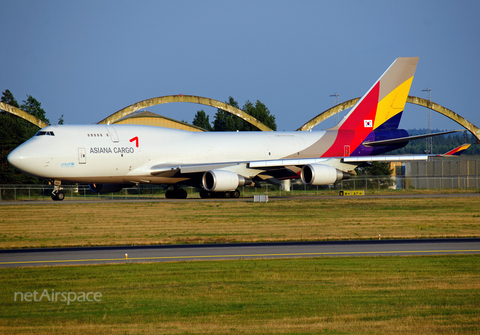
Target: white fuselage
<point x="126" y="153"/>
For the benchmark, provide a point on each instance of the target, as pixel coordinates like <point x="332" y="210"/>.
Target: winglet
<point x="457" y="151"/>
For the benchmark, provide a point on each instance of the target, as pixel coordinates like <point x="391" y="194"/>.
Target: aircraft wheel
<point x="236" y="194"/>
<point x="227" y="194"/>
<point x="181" y="194"/>
<point x="204" y="194"/>
<point x="176" y="194"/>
<point x="58" y="197"/>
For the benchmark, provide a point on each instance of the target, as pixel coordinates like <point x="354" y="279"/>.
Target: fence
<point x="368" y="184"/>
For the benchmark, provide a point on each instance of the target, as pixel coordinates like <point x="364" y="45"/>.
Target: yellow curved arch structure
<point x="24" y="115"/>
<point x="411" y="99"/>
<point x="326" y="114"/>
<point x="235" y="111"/>
<point x="184" y="98"/>
<point x="447" y="112"/>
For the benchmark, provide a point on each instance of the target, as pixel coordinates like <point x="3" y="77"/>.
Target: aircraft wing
<point x="328" y="161"/>
<point x="170" y="169"/>
<point x="256" y="167"/>
<point x="189" y="170"/>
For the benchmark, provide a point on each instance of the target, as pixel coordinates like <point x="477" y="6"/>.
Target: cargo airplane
<point x="111" y="157"/>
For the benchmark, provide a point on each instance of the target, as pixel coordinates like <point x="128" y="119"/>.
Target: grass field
<point x="360" y="295"/>
<point x="86" y="224"/>
<point x="338" y="295"/>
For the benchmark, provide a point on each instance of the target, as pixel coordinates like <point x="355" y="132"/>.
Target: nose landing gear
<point x="57" y="194"/>
<point x="58" y="197"/>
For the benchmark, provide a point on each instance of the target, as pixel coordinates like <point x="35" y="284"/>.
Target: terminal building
<point x="438" y="173"/>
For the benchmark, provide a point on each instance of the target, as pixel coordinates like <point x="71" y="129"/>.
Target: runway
<point x="169" y="253"/>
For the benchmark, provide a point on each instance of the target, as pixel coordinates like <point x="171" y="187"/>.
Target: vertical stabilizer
<point x="385" y="99"/>
<point x="381" y="107"/>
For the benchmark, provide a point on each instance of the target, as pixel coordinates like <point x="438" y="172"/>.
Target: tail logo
<point x="381" y="105"/>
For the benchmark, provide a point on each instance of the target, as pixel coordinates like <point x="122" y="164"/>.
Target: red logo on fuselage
<point x="136" y="140"/>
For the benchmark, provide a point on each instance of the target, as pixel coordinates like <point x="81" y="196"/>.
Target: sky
<point x="88" y="59"/>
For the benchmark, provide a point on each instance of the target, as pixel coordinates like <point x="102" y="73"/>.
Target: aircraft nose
<point x="16" y="158"/>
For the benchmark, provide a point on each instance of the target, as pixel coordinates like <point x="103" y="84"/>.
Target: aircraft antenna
<point x="428" y="143"/>
<point x="336" y="95"/>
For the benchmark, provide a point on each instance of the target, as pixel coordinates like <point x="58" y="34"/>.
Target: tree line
<point x="13" y="132"/>
<point x="225" y="121"/>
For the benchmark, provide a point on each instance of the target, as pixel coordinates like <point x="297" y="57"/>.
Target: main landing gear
<point x="176" y="193"/>
<point x="57" y="194"/>
<point x="180" y="193"/>
<point x="204" y="194"/>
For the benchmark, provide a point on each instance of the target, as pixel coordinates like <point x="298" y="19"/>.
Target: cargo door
<point x="113" y="134"/>
<point x="82" y="156"/>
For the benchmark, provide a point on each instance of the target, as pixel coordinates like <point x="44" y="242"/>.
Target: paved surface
<point x="104" y="255"/>
<point x="105" y="199"/>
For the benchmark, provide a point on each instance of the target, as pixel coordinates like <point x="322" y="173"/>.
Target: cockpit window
<point x="42" y="133"/>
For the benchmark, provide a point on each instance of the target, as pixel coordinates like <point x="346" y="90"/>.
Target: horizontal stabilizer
<point x="404" y="139"/>
<point x="396" y="158"/>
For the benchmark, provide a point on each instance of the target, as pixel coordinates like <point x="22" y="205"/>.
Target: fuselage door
<point x="82" y="156"/>
<point x="113" y="134"/>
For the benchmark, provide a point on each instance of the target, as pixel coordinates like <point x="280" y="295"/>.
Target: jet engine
<point x="106" y="188"/>
<point x="320" y="174"/>
<point x="223" y="180"/>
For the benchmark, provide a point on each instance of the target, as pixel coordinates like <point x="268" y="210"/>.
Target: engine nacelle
<point x="320" y="174"/>
<point x="106" y="188"/>
<point x="223" y="180"/>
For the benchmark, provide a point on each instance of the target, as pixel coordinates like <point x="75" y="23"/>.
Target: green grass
<point x="362" y="295"/>
<point x="85" y="224"/>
